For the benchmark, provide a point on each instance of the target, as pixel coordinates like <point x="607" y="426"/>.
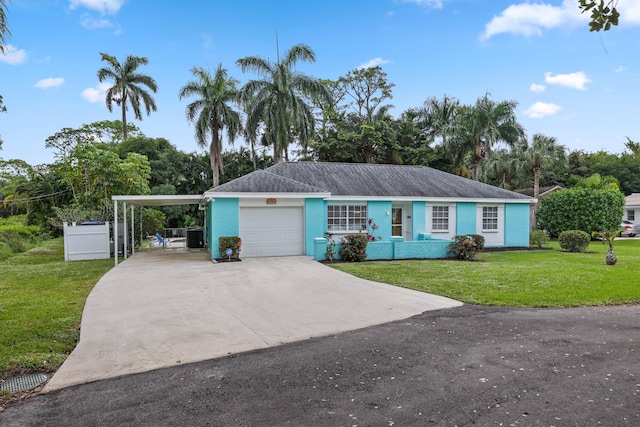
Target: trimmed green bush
<point x="538" y="238"/>
<point x="586" y="209"/>
<point x="574" y="240"/>
<point x="466" y="246"/>
<point x="226" y="242"/>
<point x="354" y="247"/>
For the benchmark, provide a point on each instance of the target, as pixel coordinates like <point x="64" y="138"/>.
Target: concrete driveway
<point x="164" y="308"/>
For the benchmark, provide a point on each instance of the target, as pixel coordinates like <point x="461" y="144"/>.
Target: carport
<point x="155" y="200"/>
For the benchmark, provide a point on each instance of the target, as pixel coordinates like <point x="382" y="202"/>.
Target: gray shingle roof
<point x="368" y="180"/>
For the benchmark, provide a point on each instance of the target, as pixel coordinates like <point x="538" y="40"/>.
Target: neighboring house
<point x="287" y="208"/>
<point x="632" y="208"/>
<point x="544" y="192"/>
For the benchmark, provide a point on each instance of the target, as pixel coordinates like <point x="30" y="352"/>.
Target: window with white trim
<point x="490" y="218"/>
<point x="346" y="218"/>
<point x="631" y="215"/>
<point x="440" y="218"/>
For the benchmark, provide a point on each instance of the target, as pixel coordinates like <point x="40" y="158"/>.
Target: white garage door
<point x="271" y="231"/>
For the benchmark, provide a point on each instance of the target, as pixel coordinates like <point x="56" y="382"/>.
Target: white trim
<point x="214" y="195"/>
<point x="428" y="199"/>
<point x="160" y="200"/>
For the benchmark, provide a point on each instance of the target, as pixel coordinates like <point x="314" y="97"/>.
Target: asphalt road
<point x="462" y="366"/>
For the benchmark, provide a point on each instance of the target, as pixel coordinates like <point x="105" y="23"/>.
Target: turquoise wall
<point x="516" y="224"/>
<point x="378" y="212"/>
<point x="465" y="218"/>
<point x="315" y="222"/>
<point x="418" y="219"/>
<point x="224" y="221"/>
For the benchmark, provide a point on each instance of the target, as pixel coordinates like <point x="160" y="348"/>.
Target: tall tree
<point x="436" y="117"/>
<point x="128" y="86"/>
<point x="544" y="153"/>
<point x="280" y="100"/>
<point x="603" y="13"/>
<point x="4" y="30"/>
<point x="483" y="125"/>
<point x="211" y="112"/>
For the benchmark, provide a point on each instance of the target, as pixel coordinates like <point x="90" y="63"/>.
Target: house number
<point x="271" y="201"/>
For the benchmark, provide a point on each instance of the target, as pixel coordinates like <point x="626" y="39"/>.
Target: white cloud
<point x="530" y="19"/>
<point x="50" y="82"/>
<point x="621" y="68"/>
<point x="574" y="80"/>
<point x="13" y="56"/>
<point x="431" y="4"/>
<point x="629" y="12"/>
<point x="373" y="63"/>
<point x="540" y="110"/>
<point x="103" y="6"/>
<point x="96" y="94"/>
<point x="95" y="24"/>
<point x="537" y="88"/>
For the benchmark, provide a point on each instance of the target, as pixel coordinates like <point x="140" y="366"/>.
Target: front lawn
<point x="41" y="302"/>
<point x="538" y="278"/>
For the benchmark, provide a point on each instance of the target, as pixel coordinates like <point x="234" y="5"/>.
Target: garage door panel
<point x="272" y="231"/>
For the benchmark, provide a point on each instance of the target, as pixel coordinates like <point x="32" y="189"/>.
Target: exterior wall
<point x="418" y="213"/>
<point x="315" y="222"/>
<point x="224" y="221"/>
<point x="516" y="225"/>
<point x="395" y="248"/>
<point x="380" y="212"/>
<point x="466" y="218"/>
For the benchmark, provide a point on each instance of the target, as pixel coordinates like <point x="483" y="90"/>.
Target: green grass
<point x="546" y="278"/>
<point x="41" y="302"/>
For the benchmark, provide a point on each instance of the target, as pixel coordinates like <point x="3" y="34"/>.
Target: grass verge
<point x="545" y="278"/>
<point x="41" y="303"/>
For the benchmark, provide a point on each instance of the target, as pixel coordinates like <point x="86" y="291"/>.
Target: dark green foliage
<point x="17" y="238"/>
<point x="538" y="238"/>
<point x="586" y="209"/>
<point x="466" y="246"/>
<point x="354" y="247"/>
<point x="574" y="240"/>
<point x="226" y="242"/>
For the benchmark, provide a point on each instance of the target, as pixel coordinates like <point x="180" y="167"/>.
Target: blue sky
<point x="582" y="88"/>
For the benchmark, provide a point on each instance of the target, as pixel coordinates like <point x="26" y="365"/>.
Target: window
<point x="490" y="218"/>
<point x="347" y="218"/>
<point x="631" y="215"/>
<point x="440" y="218"/>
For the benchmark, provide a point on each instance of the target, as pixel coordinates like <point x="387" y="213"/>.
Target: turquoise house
<point x="287" y="209"/>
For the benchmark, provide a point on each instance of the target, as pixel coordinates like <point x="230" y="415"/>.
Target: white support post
<point x="133" y="232"/>
<point x="115" y="231"/>
<point x="125" y="234"/>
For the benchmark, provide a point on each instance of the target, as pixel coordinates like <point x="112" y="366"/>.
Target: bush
<point x="5" y="251"/>
<point x="226" y="242"/>
<point x="466" y="246"/>
<point x="574" y="240"/>
<point x="586" y="209"/>
<point x="538" y="238"/>
<point x="354" y="247"/>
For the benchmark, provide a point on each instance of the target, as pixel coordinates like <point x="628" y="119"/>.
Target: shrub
<point x="538" y="238"/>
<point x="226" y="242"/>
<point x="586" y="209"/>
<point x="5" y="251"/>
<point x="354" y="247"/>
<point x="574" y="240"/>
<point x="466" y="246"/>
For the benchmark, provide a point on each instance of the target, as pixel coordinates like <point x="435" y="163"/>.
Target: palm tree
<point x="543" y="153"/>
<point x="127" y="86"/>
<point x="211" y="112"/>
<point x="4" y="31"/>
<point x="437" y="116"/>
<point x="481" y="126"/>
<point x="281" y="99"/>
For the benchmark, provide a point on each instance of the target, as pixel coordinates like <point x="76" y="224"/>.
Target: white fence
<point x="83" y="242"/>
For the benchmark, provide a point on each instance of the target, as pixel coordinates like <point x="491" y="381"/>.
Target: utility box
<point x="195" y="238"/>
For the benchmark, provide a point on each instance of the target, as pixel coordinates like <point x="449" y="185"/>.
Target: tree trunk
<point x="124" y="120"/>
<point x="214" y="161"/>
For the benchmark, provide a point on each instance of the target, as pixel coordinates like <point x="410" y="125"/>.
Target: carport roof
<point x="160" y="200"/>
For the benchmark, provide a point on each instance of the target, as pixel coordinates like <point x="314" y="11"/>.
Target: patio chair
<point x="162" y="241"/>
